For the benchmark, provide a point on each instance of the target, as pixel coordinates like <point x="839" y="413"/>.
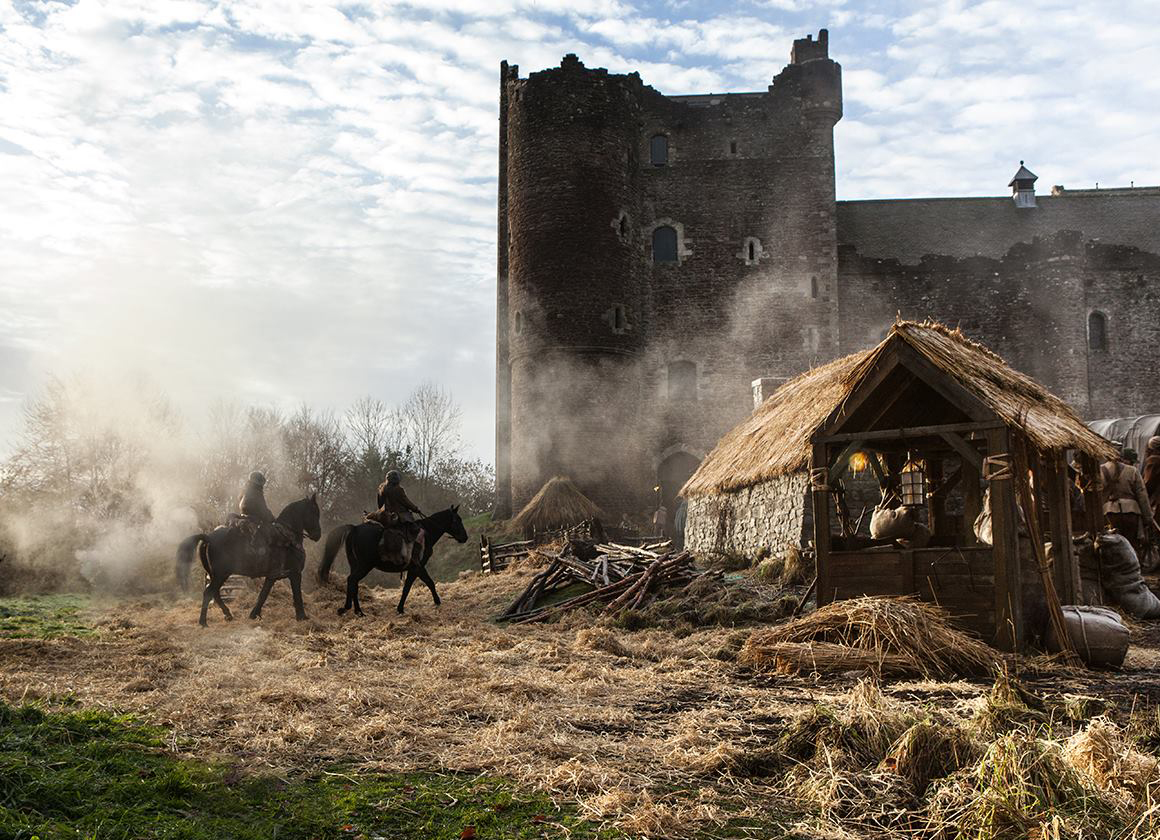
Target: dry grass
<point x="653" y="731"/>
<point x="775" y="439"/>
<point x="593" y="715"/>
<point x="558" y="504"/>
<point x="893" y="635"/>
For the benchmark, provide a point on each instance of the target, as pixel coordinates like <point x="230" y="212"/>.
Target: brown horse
<point x="227" y="551"/>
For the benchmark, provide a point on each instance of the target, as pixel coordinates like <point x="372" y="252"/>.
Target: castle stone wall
<point x="1031" y="306"/>
<point x="590" y="328"/>
<point x="907" y="229"/>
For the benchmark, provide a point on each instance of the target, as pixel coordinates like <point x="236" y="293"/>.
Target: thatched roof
<point x="775" y="439"/>
<point x="559" y="504"/>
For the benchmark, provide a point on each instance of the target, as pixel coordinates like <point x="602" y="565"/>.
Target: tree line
<point x="95" y="458"/>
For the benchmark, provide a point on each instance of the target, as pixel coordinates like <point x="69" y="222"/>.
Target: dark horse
<point x="226" y="551"/>
<point x="362" y="553"/>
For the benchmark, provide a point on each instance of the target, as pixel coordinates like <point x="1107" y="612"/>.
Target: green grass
<point x="42" y="616"/>
<point x="91" y="774"/>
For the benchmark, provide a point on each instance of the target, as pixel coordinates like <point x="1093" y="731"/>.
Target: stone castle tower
<point x="656" y="253"/>
<point x="665" y="260"/>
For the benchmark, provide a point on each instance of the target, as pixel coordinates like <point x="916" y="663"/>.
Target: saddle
<point x="389" y="521"/>
<point x="262" y="537"/>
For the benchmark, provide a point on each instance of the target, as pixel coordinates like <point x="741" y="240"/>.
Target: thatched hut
<point x="559" y="504"/>
<point x="926" y="400"/>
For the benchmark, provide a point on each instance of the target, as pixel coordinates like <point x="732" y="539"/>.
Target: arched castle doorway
<point x="672" y="473"/>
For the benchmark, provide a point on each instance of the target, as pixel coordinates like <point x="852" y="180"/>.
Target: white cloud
<point x="296" y="198"/>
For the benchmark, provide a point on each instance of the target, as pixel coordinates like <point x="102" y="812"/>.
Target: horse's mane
<point x="292" y="508"/>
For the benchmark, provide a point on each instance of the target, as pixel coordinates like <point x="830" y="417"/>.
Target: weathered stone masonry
<point x="620" y="370"/>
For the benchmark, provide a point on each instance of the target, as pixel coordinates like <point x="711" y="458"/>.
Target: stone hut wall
<point x="755" y="521"/>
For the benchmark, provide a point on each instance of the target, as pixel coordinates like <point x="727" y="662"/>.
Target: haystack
<point x="891" y="636"/>
<point x="559" y="504"/>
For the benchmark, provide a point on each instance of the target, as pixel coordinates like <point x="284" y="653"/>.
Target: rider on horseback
<point x="252" y="504"/>
<point x="396" y="509"/>
<point x="259" y="521"/>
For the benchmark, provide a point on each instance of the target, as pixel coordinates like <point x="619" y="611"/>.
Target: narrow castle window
<point x="619" y="318"/>
<point x="814" y="287"/>
<point x="1097" y="331"/>
<point x="519" y="325"/>
<point x="682" y="381"/>
<point x="658" y="149"/>
<point x="664" y="244"/>
<point x="732" y="147"/>
<point x="622" y="225"/>
<point x="752" y="250"/>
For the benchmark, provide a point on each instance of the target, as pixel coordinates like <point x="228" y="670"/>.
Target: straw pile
<point x="647" y="731"/>
<point x="887" y="635"/>
<point x="559" y="504"/>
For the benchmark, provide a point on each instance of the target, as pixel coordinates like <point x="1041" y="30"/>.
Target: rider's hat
<point x="257" y="478"/>
<point x="393" y="477"/>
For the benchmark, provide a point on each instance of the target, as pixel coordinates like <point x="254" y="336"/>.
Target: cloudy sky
<point x="286" y="202"/>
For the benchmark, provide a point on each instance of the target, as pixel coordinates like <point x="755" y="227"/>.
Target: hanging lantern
<point x="914" y="483"/>
<point x="859" y="461"/>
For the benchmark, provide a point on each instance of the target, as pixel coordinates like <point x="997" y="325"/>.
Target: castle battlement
<point x="657" y="254"/>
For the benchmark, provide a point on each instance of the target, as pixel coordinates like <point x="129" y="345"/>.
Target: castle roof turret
<point x="1024" y="175"/>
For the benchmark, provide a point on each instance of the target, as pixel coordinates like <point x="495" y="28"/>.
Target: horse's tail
<point x="185" y="551"/>
<point x="203" y="555"/>
<point x="334" y="540"/>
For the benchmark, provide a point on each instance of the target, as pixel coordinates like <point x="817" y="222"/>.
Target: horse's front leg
<point x="267" y="585"/>
<point x="427" y="579"/>
<point x="296" y="588"/>
<point x="406" y="588"/>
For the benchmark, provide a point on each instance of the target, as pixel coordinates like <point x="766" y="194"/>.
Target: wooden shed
<point x="940" y="421"/>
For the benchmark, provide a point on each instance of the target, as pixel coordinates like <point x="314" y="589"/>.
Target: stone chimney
<point x="765" y="386"/>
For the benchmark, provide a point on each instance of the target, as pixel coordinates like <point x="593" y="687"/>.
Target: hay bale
<point x="559" y="504"/>
<point x="901" y="635"/>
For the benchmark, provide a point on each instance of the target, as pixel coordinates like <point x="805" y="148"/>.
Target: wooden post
<point x="1093" y="507"/>
<point x="972" y="499"/>
<point x="820" y="494"/>
<point x="1054" y="475"/>
<point x="1009" y="631"/>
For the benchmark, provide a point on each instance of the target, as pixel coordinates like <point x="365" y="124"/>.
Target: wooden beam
<point x="948" y="484"/>
<point x="1093" y="506"/>
<point x="869" y="386"/>
<point x="1065" y="564"/>
<point x="1009" y="630"/>
<point x="972" y="498"/>
<point x="913" y="431"/>
<point x="820" y="498"/>
<point x="967" y="452"/>
<point x="944" y="384"/>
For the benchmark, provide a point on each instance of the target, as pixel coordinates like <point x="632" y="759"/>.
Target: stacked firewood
<point x="623" y="577"/>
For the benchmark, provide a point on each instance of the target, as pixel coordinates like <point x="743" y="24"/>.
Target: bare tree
<point x="431" y="419"/>
<point x="316" y="452"/>
<point x="374" y="428"/>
